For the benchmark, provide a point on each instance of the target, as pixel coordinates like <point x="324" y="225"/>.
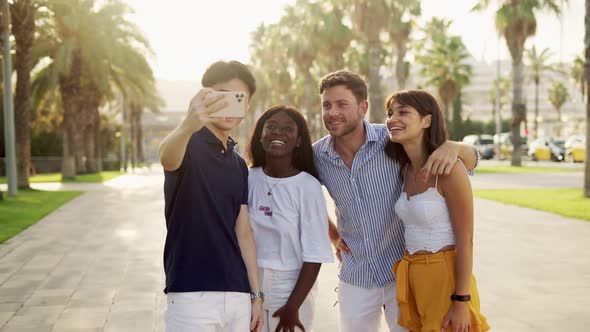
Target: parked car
<point x="506" y="147"/>
<point x="483" y="143"/>
<point x="547" y="149"/>
<point x="575" y="148"/>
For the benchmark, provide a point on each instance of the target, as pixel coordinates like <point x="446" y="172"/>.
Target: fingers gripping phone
<point x="236" y="104"/>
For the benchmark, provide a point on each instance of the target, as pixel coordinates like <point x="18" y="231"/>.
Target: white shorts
<point x="277" y="287"/>
<point x="208" y="312"/>
<point x="361" y="309"/>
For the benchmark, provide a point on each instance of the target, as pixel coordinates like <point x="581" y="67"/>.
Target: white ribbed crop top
<point x="426" y="220"/>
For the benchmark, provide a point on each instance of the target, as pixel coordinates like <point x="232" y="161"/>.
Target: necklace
<point x="270" y="188"/>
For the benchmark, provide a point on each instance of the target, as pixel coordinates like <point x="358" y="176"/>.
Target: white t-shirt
<point x="290" y="226"/>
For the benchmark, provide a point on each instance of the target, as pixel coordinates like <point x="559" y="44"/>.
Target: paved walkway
<point x="96" y="265"/>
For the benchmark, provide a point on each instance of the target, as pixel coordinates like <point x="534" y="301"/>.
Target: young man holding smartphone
<point x="210" y="255"/>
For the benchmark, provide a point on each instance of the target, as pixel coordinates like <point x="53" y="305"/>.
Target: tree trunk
<point x="401" y="66"/>
<point x="91" y="122"/>
<point x="68" y="163"/>
<point x="536" y="120"/>
<point x="376" y="102"/>
<point x="98" y="145"/>
<point x="518" y="108"/>
<point x="72" y="97"/>
<point x="23" y="29"/>
<point x="133" y="135"/>
<point x="587" y="81"/>
<point x="139" y="134"/>
<point x="89" y="148"/>
<point x="309" y="109"/>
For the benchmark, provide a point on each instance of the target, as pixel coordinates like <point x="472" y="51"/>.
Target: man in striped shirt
<point x="365" y="184"/>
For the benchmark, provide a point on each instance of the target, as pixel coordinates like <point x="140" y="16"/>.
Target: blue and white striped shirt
<point x="365" y="197"/>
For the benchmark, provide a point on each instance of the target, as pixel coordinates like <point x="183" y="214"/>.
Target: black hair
<point x="224" y="71"/>
<point x="425" y="104"/>
<point x="302" y="155"/>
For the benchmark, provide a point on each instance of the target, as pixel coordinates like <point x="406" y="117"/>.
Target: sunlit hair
<point x="425" y="104"/>
<point x="354" y="82"/>
<point x="224" y="71"/>
<point x="302" y="155"/>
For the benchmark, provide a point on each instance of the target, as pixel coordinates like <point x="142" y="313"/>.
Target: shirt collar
<point x="371" y="135"/>
<point x="212" y="139"/>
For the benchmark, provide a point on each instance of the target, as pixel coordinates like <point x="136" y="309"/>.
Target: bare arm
<point x="467" y="154"/>
<point x="289" y="313"/>
<point x="459" y="198"/>
<point x="337" y="241"/>
<point x="442" y="160"/>
<point x="173" y="147"/>
<point x="248" y="249"/>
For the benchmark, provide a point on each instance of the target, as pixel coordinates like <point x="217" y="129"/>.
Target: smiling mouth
<point x="277" y="142"/>
<point x="395" y="130"/>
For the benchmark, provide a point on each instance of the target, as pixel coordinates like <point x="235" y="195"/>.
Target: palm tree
<point x="400" y="27"/>
<point x="270" y="58"/>
<point x="23" y="28"/>
<point x="85" y="62"/>
<point x="557" y="95"/>
<point x="336" y="38"/>
<point x="368" y="19"/>
<point x="515" y="20"/>
<point x="302" y="37"/>
<point x="444" y="67"/>
<point x="577" y="73"/>
<point x="356" y="57"/>
<point x="538" y="63"/>
<point x="587" y="79"/>
<point x="505" y="86"/>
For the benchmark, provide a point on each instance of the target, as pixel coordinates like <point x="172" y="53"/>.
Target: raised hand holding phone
<point x="201" y="107"/>
<point x="236" y="104"/>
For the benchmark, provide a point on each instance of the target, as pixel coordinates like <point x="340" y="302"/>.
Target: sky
<point x="188" y="35"/>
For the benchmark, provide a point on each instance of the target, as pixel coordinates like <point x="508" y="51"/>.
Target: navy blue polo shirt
<point x="203" y="199"/>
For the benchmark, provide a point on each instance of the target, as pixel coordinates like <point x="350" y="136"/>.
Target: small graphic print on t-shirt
<point x="267" y="210"/>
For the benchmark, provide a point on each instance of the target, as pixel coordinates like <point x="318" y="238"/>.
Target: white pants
<point x="277" y="287"/>
<point x="208" y="312"/>
<point x="361" y="308"/>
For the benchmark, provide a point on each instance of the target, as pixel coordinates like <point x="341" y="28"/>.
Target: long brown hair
<point x="302" y="156"/>
<point x="425" y="104"/>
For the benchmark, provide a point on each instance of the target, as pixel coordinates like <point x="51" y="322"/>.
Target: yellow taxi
<point x="575" y="148"/>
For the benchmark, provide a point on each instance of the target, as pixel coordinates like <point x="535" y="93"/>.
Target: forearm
<point x="467" y="154"/>
<point x="248" y="249"/>
<point x="464" y="266"/>
<point x="333" y="231"/>
<point x="173" y="148"/>
<point x="307" y="277"/>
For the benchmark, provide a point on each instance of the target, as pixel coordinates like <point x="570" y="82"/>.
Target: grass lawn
<point x="18" y="213"/>
<point x="56" y="177"/>
<point x="566" y="202"/>
<point x="481" y="169"/>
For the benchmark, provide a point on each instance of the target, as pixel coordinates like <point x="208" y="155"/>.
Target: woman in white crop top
<point x="435" y="287"/>
<point x="289" y="218"/>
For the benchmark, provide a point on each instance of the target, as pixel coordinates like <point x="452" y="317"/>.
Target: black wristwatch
<point x="461" y="298"/>
<point x="255" y="295"/>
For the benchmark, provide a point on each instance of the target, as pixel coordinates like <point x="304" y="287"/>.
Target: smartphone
<point x="236" y="104"/>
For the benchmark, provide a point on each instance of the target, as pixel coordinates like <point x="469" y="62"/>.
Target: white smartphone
<point x="236" y="104"/>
